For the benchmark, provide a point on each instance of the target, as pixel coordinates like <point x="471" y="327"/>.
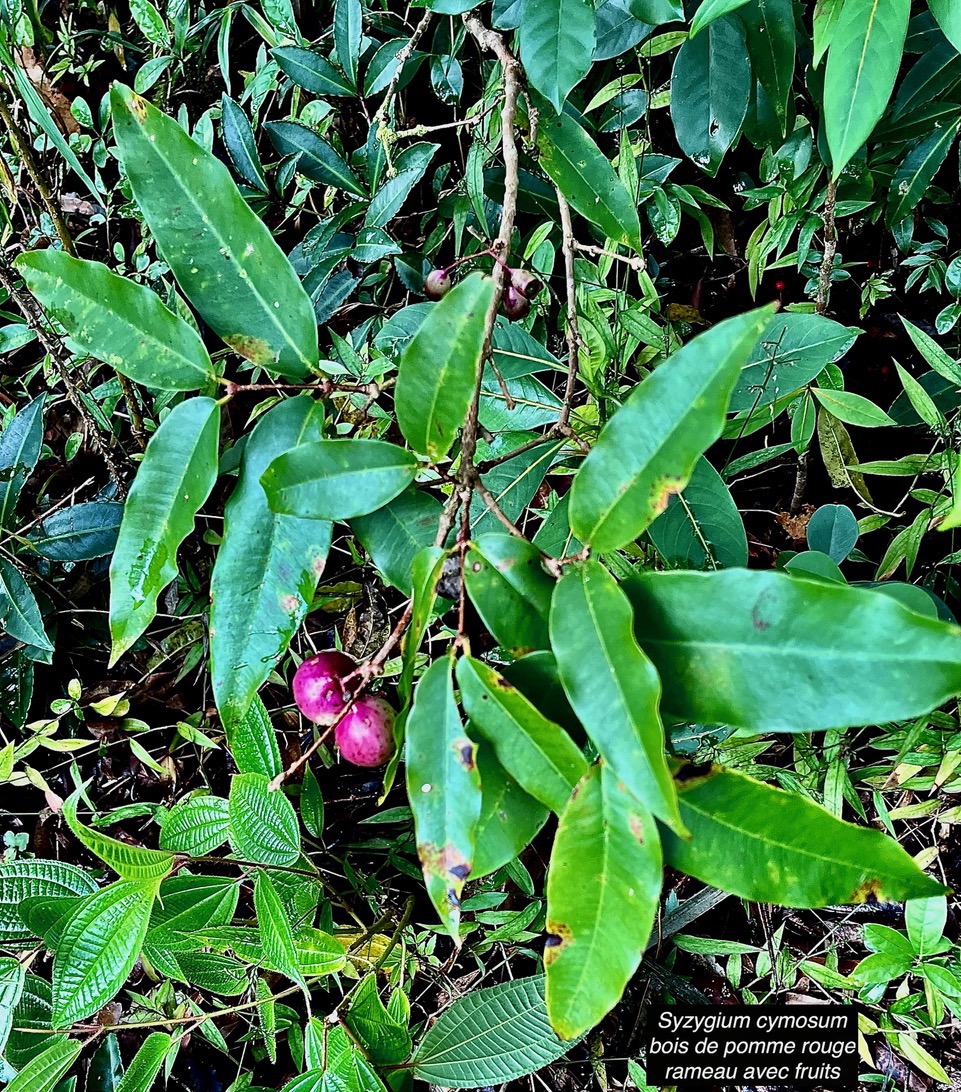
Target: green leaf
<point x="197" y="825"/>
<point x="539" y="755"/>
<point x="11" y="987"/>
<point x="852" y="409"/>
<point x="337" y="479"/>
<point x="263" y="824"/>
<point x="603" y="887"/>
<point x="770" y="652"/>
<point x="386" y="1039"/>
<point x="118" y="321"/>
<point x="825" y="20"/>
<point x="129" y="862"/>
<point x="223" y="256"/>
<point x="444" y="790"/>
<point x="253" y="742"/>
<point x="312" y="804"/>
<point x="710" y="92"/>
<point x="437" y="372"/>
<point x="20" y="444"/>
<point x="557" y="46"/>
<point x="948" y="15"/>
<point x="489" y="1036"/>
<point x="99" y="947"/>
<point x="925" y="920"/>
<point x="584" y="175"/>
<point x="44" y="1072"/>
<point x="507" y="583"/>
<point x="19" y="613"/>
<point x="648" y="449"/>
<point x="656" y="12"/>
<point x="922" y="402"/>
<point x="509" y="818"/>
<point x="78" y="533"/>
<point x="863" y="62"/>
<point x="318" y="160"/>
<point x="311" y="71"/>
<point x="711" y="10"/>
<point x="772" y="44"/>
<point x="275" y="930"/>
<point x="833" y="529"/>
<point x="611" y="684"/>
<point x="917" y="171"/>
<point x="768" y="845"/>
<point x="348" y="32"/>
<point x="105" y="1068"/>
<point x="25" y="879"/>
<point x="176" y="476"/>
<point x="146" y="1063"/>
<point x="241" y="144"/>
<point x="394" y="534"/>
<point x="932" y="353"/>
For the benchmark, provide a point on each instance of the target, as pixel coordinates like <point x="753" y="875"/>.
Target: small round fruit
<point x="516" y="306"/>
<point x="318" y="686"/>
<point x="526" y="283"/>
<point x="365" y="736"/>
<point x="437" y="284"/>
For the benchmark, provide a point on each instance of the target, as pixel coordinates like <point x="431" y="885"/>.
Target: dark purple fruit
<point x="526" y="283"/>
<point x="437" y="284"/>
<point x="516" y="306"/>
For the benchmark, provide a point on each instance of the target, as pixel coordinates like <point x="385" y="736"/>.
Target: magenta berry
<point x="526" y="283"/>
<point x="318" y="686"/>
<point x="516" y="306"/>
<point x="437" y="284"/>
<point x="365" y="735"/>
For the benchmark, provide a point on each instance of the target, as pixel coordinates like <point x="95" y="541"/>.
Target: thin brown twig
<point x="573" y="334"/>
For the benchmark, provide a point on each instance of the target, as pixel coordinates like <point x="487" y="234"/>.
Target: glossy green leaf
<point x="240" y="143"/>
<point x="25" y="879"/>
<point x="948" y="15"/>
<point x="263" y="824"/>
<point x="444" y="790"/>
<point x="348" y="31"/>
<point x="11" y="987"/>
<point x="118" y="321"/>
<point x="538" y="754"/>
<point x="584" y="175"/>
<point x="852" y="409"/>
<point x="267" y="568"/>
<point x="19" y="613"/>
<point x="916" y="173"/>
<point x="20" y="444"/>
<point x="44" y="1072"/>
<point x="145" y="1064"/>
<point x="863" y="62"/>
<point x="933" y="353"/>
<point x="275" y="929"/>
<point x="648" y="449"/>
<point x="711" y="10"/>
<point x="311" y="71"/>
<point x="318" y="161"/>
<point x="772" y="45"/>
<point x="220" y="251"/>
<point x="394" y="534"/>
<point x="437" y="372"/>
<point x="312" y="804"/>
<point x="99" y="948"/>
<point x="768" y="845"/>
<point x="508" y="584"/>
<point x="509" y="818"/>
<point x="603" y="889"/>
<point x="825" y="19"/>
<point x="197" y="825"/>
<point x="78" y="533"/>
<point x="556" y="40"/>
<point x="489" y="1036"/>
<point x="611" y="684"/>
<point x="129" y="862"/>
<point x="175" y="478"/>
<point x="771" y="652"/>
<point x="105" y="1068"/>
<point x="337" y="479"/>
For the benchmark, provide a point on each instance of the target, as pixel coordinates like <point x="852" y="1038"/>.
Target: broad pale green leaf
<point x="557" y="46"/>
<point x="44" y="1072"/>
<point x="118" y="321"/>
<point x="267" y="568"/>
<point x="25" y="879"/>
<point x="311" y="71"/>
<point x="711" y="91"/>
<point x="852" y="409"/>
<point x="584" y="175"/>
<point x="78" y="533"/>
<point x="948" y="15"/>
<point x="394" y="534"/>
<point x="917" y="172"/>
<point x="509" y="818"/>
<point x="263" y="824"/>
<point x="129" y="862"/>
<point x="701" y="527"/>
<point x="444" y="790"/>
<point x="437" y="372"/>
<point x="833" y="529"/>
<point x="11" y="987"/>
<point x="648" y="449"/>
<point x="611" y="684"/>
<point x="603" y="886"/>
<point x="275" y="929"/>
<point x="769" y="845"/>
<point x="490" y="1036"/>
<point x="20" y="444"/>
<point x="145" y="1064"/>
<point x="539" y="755"/>
<point x="99" y="947"/>
<point x="508" y="584"/>
<point x="656" y="12"/>
<point x="223" y="256"/>
<point x="318" y="160"/>
<point x="771" y="652"/>
<point x="19" y="613"/>
<point x="253" y="742"/>
<point x="825" y="21"/>
<point x="863" y="61"/>
<point x="176" y="476"/>
<point x="337" y="479"/>
<point x="711" y="10"/>
<point x="197" y="826"/>
<point x="772" y="44"/>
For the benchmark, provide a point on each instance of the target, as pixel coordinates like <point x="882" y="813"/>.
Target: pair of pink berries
<point x="523" y="288"/>
<point x="365" y="733"/>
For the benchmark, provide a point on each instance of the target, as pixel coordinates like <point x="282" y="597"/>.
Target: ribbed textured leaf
<point x="275" y="930"/>
<point x="146" y="1063"/>
<point x="43" y="1073"/>
<point x="197" y="825"/>
<point x="129" y="862"/>
<point x="263" y="824"/>
<point x="11" y="987"/>
<point x="25" y="879"/>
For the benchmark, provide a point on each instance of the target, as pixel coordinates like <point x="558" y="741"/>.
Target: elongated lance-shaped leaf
<point x="317" y="160"/>
<point x="220" y="251"/>
<point x="648" y="449"/>
<point x="123" y="323"/>
<point x="145" y="1065"/>
<point x="43" y="1072"/>
<point x="863" y="62"/>
<point x="509" y="818"/>
<point x="948" y="15"/>
<point x="711" y="10"/>
<point x="773" y="652"/>
<point x="933" y="353"/>
<point x="917" y="172"/>
<point x="540" y="756"/>
<point x="99" y="947"/>
<point x="444" y="790"/>
<point x="267" y="567"/>
<point x="612" y="685"/>
<point x="176" y="476"/>
<point x="20" y="444"/>
<point x="557" y="39"/>
<point x="275" y="929"/>
<point x="129" y="862"/>
<point x="19" y="612"/>
<point x="394" y="534"/>
<point x="11" y="987"/>
<point x="603" y="885"/>
<point x="769" y="845"/>
<point x="438" y="370"/>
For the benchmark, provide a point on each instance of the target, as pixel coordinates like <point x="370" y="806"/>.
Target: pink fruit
<point x="366" y="734"/>
<point x="526" y="283"/>
<point x="516" y="306"/>
<point x="318" y="688"/>
<point x="437" y="284"/>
